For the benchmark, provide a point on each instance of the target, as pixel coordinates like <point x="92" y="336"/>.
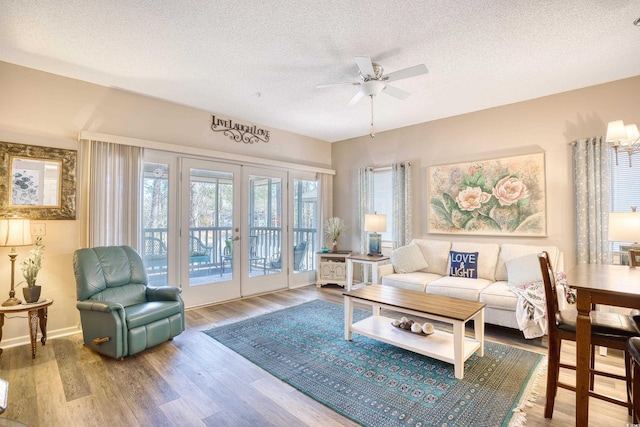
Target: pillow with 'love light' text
<point x="463" y="264"/>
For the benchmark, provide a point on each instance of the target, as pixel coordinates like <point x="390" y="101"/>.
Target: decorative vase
<point x="334" y="247"/>
<point x="32" y="294"/>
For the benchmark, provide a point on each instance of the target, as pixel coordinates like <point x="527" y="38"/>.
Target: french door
<point x="265" y="225"/>
<point x="209" y="229"/>
<point x="221" y="231"/>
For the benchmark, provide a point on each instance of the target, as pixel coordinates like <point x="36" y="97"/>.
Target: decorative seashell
<point x="396" y="322"/>
<point x="428" y="328"/>
<point x="417" y="328"/>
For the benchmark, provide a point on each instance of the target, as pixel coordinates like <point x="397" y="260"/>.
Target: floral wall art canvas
<point x="505" y="197"/>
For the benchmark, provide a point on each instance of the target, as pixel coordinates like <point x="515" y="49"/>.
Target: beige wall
<point x="44" y="109"/>
<point x="548" y="123"/>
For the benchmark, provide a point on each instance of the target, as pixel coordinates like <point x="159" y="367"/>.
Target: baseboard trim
<point x="25" y="340"/>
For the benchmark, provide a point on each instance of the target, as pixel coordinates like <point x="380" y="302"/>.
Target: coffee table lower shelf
<point x="439" y="345"/>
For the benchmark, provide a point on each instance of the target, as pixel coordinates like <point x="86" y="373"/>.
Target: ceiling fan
<point x="373" y="81"/>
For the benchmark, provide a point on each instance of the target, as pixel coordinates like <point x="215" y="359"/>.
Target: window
<point x="382" y="199"/>
<point x="625" y="187"/>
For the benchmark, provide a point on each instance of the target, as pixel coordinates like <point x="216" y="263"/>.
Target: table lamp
<point x="625" y="227"/>
<point x="375" y="223"/>
<point x="14" y="232"/>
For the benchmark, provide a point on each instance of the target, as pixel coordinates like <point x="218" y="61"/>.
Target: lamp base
<point x="375" y="243"/>
<point x="11" y="301"/>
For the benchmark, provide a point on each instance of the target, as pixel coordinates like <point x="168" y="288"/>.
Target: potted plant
<point x="30" y="268"/>
<point x="333" y="229"/>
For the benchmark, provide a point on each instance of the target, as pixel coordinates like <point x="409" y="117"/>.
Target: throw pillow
<point x="523" y="270"/>
<point x="407" y="259"/>
<point x="463" y="264"/>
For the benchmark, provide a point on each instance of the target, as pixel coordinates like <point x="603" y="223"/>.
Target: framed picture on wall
<point x="37" y="182"/>
<point x="500" y="197"/>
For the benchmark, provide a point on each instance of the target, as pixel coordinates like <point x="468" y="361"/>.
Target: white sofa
<point x="431" y="273"/>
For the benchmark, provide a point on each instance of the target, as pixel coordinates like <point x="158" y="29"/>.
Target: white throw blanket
<point x="531" y="309"/>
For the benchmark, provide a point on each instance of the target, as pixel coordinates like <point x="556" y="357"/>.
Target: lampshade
<point x="624" y="226"/>
<point x="632" y="132"/>
<point x="375" y="223"/>
<point x="616" y="131"/>
<point x="15" y="232"/>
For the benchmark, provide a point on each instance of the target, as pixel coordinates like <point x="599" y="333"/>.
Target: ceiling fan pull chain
<point x="372" y="134"/>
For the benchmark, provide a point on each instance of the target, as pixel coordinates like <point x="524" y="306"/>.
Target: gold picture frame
<point x="37" y="182"/>
<point x="495" y="197"/>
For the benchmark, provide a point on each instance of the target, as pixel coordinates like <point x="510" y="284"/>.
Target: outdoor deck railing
<point x="265" y="244"/>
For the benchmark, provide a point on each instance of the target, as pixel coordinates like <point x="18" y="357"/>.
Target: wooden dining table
<point x="614" y="285"/>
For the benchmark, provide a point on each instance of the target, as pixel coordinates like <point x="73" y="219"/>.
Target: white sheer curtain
<point x="592" y="184"/>
<point x="326" y="205"/>
<point x="365" y="206"/>
<point x="111" y="195"/>
<point x="401" y="200"/>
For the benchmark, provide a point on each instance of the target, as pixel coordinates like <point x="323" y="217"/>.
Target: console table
<point x="37" y="314"/>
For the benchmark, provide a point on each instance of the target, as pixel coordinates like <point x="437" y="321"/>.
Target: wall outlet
<point x="38" y="229"/>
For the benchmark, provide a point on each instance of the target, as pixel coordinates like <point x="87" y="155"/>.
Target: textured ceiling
<point x="259" y="61"/>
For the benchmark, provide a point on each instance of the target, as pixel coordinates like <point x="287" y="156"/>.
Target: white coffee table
<point x="452" y="348"/>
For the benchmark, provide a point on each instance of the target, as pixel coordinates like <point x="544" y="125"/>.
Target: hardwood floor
<point x="194" y="381"/>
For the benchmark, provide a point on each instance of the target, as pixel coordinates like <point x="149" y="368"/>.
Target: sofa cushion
<point x="510" y="251"/>
<point x="417" y="281"/>
<point x="487" y="257"/>
<point x="407" y="259"/>
<point x="498" y="295"/>
<point x="458" y="287"/>
<point x="464" y="264"/>
<point x="523" y="270"/>
<point x="436" y="252"/>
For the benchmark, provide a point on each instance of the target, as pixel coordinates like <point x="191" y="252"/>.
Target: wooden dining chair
<point x="609" y="330"/>
<point x="633" y="347"/>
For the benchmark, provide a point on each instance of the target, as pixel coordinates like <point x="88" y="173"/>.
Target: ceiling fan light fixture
<point x="372" y="87"/>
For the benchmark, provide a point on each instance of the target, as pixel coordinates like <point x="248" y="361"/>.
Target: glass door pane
<point x="209" y="266"/>
<point x="263" y="251"/>
<point x="155" y="205"/>
<point x="304" y="217"/>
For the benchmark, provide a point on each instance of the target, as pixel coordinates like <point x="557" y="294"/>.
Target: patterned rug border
<point x="515" y="417"/>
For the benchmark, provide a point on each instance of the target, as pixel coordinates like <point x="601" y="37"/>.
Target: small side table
<point x="37" y="314"/>
<point x="373" y="261"/>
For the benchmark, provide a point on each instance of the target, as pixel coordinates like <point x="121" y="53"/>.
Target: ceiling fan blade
<point x="320" y="86"/>
<point x="396" y="93"/>
<point x="357" y="97"/>
<point x="365" y="65"/>
<point x="416" y="70"/>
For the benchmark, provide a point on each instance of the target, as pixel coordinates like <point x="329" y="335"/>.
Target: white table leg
<point x="374" y="274"/>
<point x="348" y="317"/>
<point x="375" y="309"/>
<point x="458" y="349"/>
<point x="478" y="331"/>
<point x="365" y="273"/>
<point x="349" y="274"/>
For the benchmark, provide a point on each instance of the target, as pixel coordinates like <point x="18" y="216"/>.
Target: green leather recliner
<point x="120" y="314"/>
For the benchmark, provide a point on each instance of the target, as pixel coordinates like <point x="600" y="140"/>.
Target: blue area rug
<point x="377" y="384"/>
